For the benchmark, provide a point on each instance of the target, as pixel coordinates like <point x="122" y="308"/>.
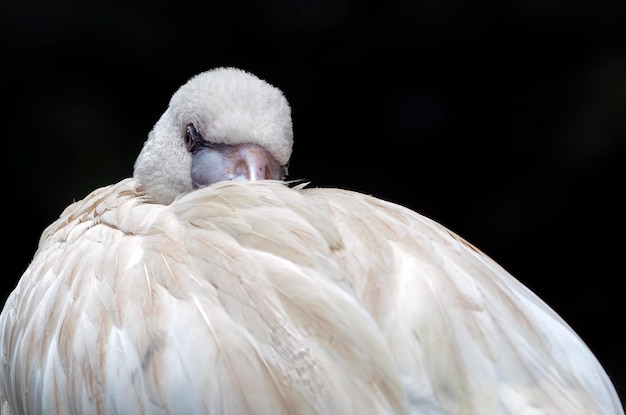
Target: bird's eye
<point x="190" y="132"/>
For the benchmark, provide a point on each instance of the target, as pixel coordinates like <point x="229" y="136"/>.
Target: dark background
<point x="505" y="121"/>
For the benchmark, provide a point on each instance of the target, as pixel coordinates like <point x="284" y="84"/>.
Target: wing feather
<point x="246" y="298"/>
<point x="196" y="307"/>
<point x="468" y="336"/>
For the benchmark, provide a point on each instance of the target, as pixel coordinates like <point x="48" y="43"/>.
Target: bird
<point x="210" y="282"/>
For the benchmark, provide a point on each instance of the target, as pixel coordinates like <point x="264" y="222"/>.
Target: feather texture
<point x="257" y="298"/>
<point x="150" y="297"/>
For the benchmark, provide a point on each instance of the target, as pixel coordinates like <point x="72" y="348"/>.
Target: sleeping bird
<point x="207" y="283"/>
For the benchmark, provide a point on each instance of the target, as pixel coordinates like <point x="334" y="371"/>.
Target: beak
<point x="252" y="162"/>
<point x="243" y="162"/>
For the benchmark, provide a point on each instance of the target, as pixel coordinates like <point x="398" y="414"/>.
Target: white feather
<point x="258" y="298"/>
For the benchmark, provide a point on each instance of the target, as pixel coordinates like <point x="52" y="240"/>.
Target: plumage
<point x="261" y="297"/>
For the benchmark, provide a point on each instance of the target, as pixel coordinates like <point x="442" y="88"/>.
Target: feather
<point x="293" y="301"/>
<point x="269" y="297"/>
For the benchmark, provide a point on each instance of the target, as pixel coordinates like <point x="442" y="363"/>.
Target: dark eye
<point x="189" y="140"/>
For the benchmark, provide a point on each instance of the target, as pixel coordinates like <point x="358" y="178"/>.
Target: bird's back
<point x="257" y="298"/>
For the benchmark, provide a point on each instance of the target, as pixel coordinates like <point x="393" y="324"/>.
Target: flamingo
<point x="209" y="284"/>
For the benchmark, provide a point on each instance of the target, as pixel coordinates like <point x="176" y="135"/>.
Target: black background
<point x="505" y="121"/>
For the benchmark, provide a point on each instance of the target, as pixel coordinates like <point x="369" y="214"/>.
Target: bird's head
<point x="223" y="124"/>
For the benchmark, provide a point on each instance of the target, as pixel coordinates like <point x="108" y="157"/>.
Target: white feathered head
<point x="223" y="106"/>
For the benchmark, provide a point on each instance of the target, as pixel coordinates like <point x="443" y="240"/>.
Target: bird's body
<point x="264" y="298"/>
